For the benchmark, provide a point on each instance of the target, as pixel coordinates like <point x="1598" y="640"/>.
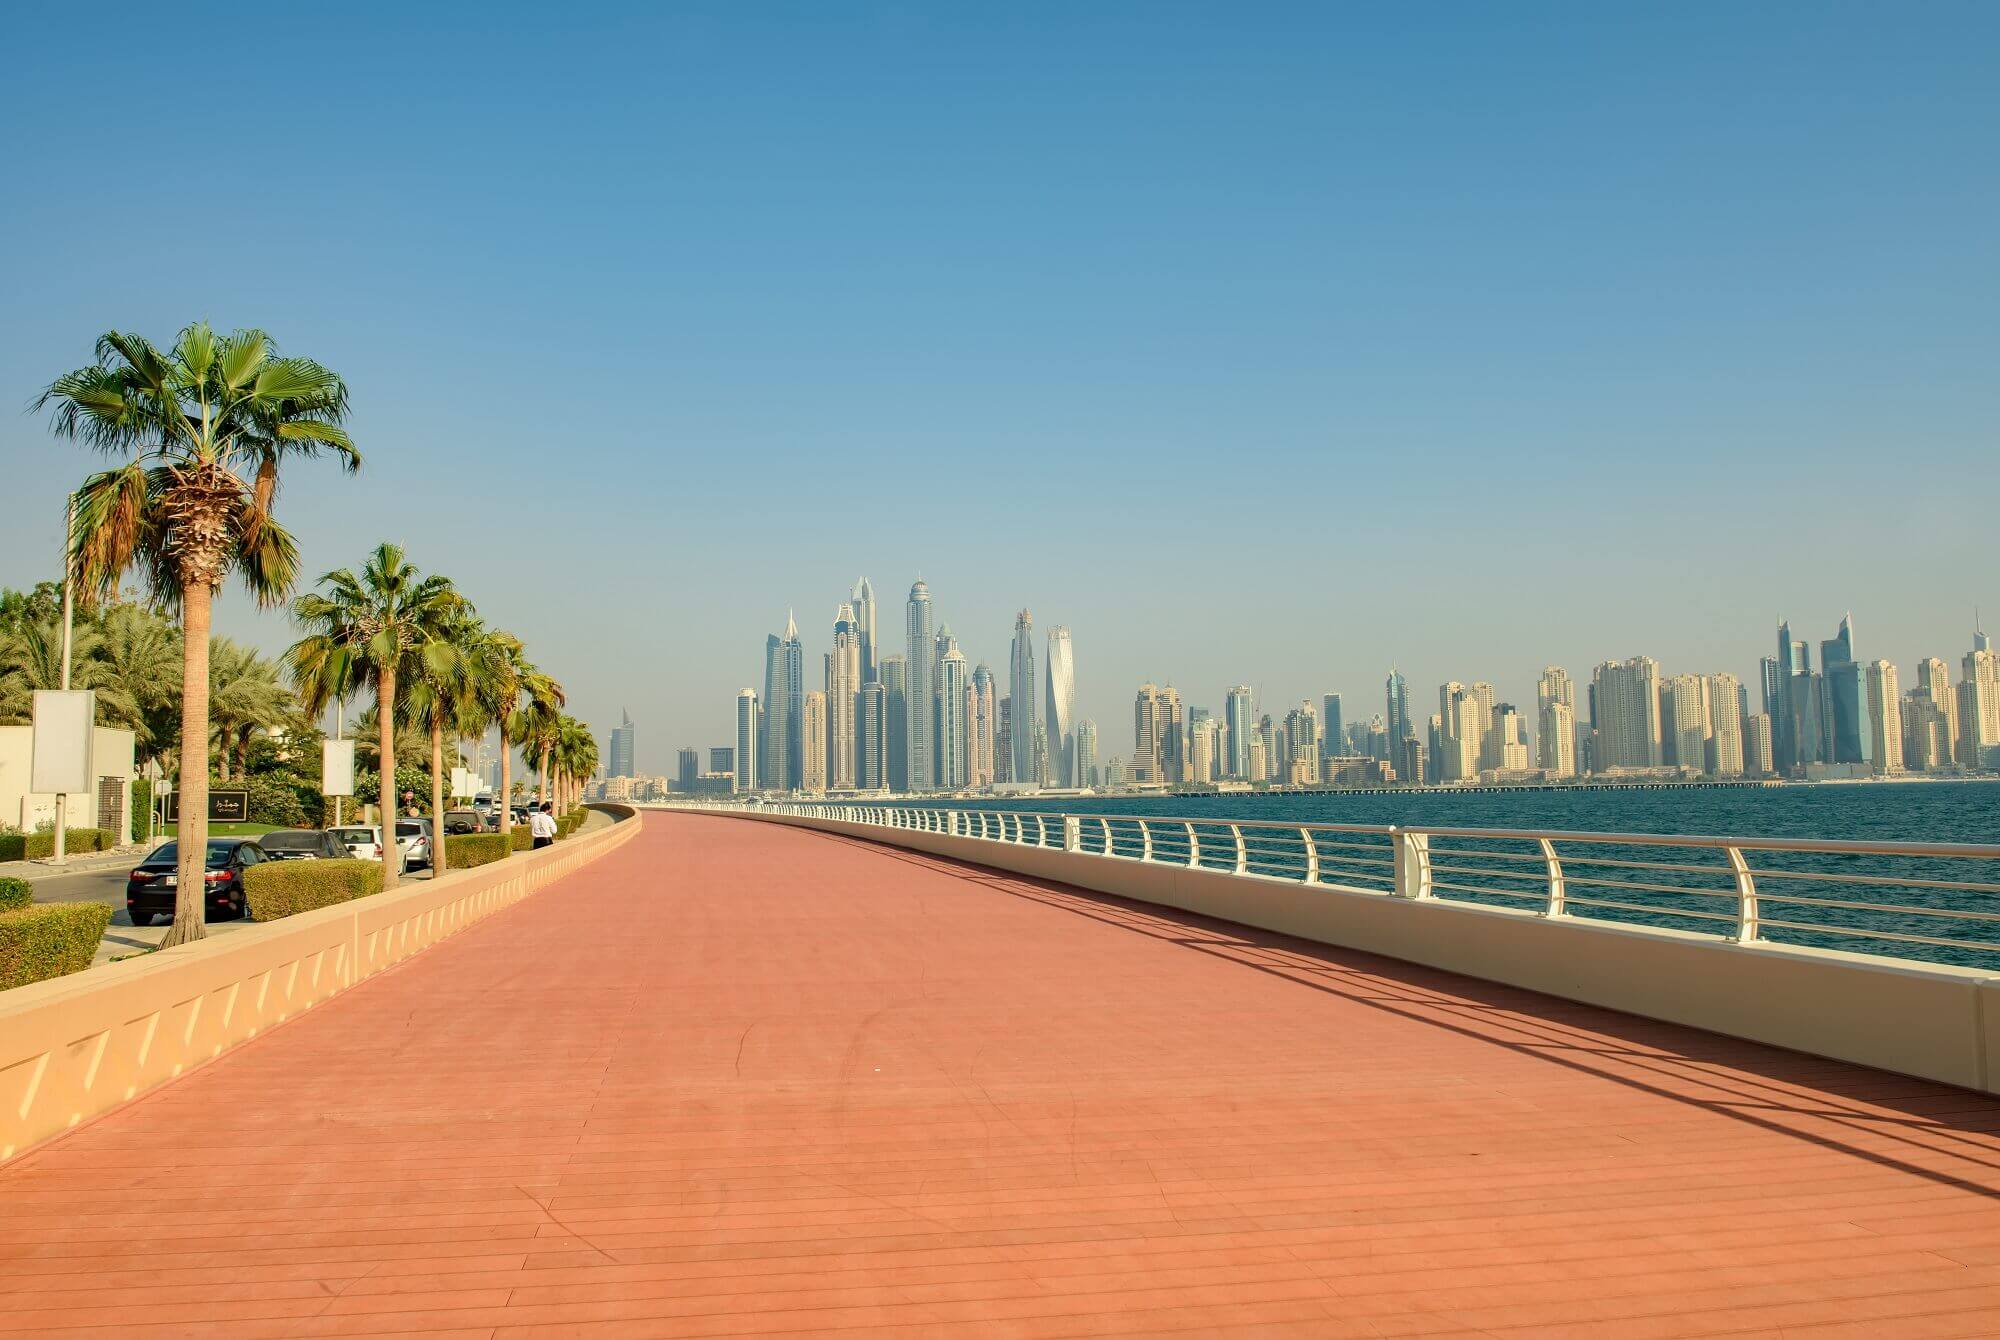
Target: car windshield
<point x="352" y="835"/>
<point x="409" y="830"/>
<point x="169" y="853"/>
<point x="301" y="839"/>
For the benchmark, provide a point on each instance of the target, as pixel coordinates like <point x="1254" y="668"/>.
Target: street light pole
<point x="61" y="854"/>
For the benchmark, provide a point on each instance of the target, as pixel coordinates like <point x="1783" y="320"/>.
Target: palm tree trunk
<point x="545" y="775"/>
<point x="190" y="888"/>
<point x="506" y="785"/>
<point x="385" y="766"/>
<point x="437" y="797"/>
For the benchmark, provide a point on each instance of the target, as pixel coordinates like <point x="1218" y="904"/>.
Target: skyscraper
<point x="784" y="689"/>
<point x="1026" y="693"/>
<point x="873" y="748"/>
<point x="1086" y="753"/>
<point x="1725" y="742"/>
<point x="747" y="754"/>
<point x="895" y="681"/>
<point x="1332" y="730"/>
<point x="981" y="722"/>
<point x="1061" y="723"/>
<point x="954" y="765"/>
<point x="1845" y="707"/>
<point x="1784" y="727"/>
<point x="1240" y="726"/>
<point x="1555" y="737"/>
<point x="1156" y="719"/>
<point x="1979" y="704"/>
<point x="1934" y="682"/>
<point x="689" y="768"/>
<point x="812" y="742"/>
<point x="917" y="704"/>
<point x="1684" y="722"/>
<point x="1885" y="717"/>
<point x="1462" y="727"/>
<point x="843" y="698"/>
<point x="1301" y="746"/>
<point x="1627" y="701"/>
<point x="1398" y="693"/>
<point x="1201" y="751"/>
<point x="618" y="761"/>
<point x="864" y="629"/>
<point x="1003" y="735"/>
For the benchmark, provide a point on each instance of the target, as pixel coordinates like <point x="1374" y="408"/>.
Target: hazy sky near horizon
<point x="1273" y="343"/>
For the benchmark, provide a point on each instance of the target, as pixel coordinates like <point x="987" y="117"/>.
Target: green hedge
<point x="570" y="822"/>
<point x="283" y="888"/>
<point x="142" y="808"/>
<point x="522" y="839"/>
<point x="41" y="844"/>
<point x="469" y="849"/>
<point x="49" y="940"/>
<point x="15" y="893"/>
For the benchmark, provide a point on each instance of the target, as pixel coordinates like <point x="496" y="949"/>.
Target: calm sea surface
<point x="1488" y="872"/>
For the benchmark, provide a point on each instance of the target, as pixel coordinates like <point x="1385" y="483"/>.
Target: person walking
<point x="542" y="826"/>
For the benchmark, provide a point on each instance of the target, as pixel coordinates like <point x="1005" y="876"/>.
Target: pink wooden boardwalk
<point x="738" y="1078"/>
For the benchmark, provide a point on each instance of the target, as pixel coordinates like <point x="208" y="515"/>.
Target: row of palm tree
<point x="199" y="433"/>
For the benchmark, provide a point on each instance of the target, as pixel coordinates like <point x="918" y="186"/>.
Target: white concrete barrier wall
<point x="80" y="1045"/>
<point x="1937" y="1022"/>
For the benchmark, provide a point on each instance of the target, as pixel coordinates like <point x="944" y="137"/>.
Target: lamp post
<point x="61" y="854"/>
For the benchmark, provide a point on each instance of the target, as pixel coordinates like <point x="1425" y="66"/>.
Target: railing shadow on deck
<point x="1786" y="1092"/>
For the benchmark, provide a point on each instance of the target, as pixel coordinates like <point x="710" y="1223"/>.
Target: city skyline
<point x="1696" y="717"/>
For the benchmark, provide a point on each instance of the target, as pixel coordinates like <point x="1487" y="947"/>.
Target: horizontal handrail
<point x="1420" y="862"/>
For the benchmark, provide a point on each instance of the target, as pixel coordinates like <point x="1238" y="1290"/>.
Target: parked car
<point x="363" y="842"/>
<point x="460" y="822"/>
<point x="413" y="840"/>
<point x="152" y="887"/>
<point x="302" y="844"/>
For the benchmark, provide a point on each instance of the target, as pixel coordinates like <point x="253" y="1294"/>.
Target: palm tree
<point x="140" y="656"/>
<point x="498" y="672"/>
<point x="245" y="696"/>
<point x="362" y="632"/>
<point x="532" y="724"/>
<point x="188" y="421"/>
<point x="439" y="703"/>
<point x="31" y="659"/>
<point x="576" y="759"/>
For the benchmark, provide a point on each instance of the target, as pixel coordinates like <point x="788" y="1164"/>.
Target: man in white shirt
<point x="542" y="827"/>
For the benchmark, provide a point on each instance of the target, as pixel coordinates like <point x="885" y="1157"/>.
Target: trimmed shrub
<point x="469" y="849"/>
<point x="284" y="888"/>
<point x="522" y="839"/>
<point x="142" y="807"/>
<point x="15" y="893"/>
<point x="41" y="844"/>
<point x="49" y="940"/>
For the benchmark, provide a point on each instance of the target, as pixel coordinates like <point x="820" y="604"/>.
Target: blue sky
<point x="1263" y="343"/>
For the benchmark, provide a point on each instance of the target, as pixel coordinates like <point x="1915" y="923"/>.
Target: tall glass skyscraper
<point x="1062" y="709"/>
<point x="1332" y="730"/>
<point x="1398" y="694"/>
<point x="864" y="627"/>
<point x="895" y="672"/>
<point x="843" y="699"/>
<point x="917" y="702"/>
<point x="1026" y="695"/>
<point x="1242" y="729"/>
<point x="784" y="702"/>
<point x="618" y="759"/>
<point x="952" y="730"/>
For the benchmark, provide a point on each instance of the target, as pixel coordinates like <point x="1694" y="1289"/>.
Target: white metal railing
<point x="1920" y="900"/>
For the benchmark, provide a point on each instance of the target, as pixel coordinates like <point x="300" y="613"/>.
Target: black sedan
<point x="150" y="890"/>
<point x="302" y="844"/>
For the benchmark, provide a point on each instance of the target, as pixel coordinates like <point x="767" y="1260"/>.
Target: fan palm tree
<point x="576" y="755"/>
<point x="498" y="673"/>
<point x="188" y="421"/>
<point x="364" y="631"/>
<point x="531" y="724"/>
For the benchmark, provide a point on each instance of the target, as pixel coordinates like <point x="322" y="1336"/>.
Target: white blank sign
<point x="63" y="722"/>
<point x="336" y="768"/>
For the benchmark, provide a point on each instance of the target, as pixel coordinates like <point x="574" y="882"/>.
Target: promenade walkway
<point x="740" y="1078"/>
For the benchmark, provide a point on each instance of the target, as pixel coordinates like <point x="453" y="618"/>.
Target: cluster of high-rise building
<point x="866" y="725"/>
<point x="918" y="720"/>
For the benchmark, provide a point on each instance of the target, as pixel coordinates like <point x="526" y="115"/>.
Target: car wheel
<point x="243" y="907"/>
<point x="142" y="918"/>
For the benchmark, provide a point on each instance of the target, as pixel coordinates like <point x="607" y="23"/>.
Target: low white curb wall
<point x="77" y="1046"/>
<point x="1932" y="1021"/>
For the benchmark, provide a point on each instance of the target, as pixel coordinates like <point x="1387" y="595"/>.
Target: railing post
<point x="1105" y="824"/>
<point x="1555" y="907"/>
<point x="1072" y="833"/>
<point x="1145" y="841"/>
<point x="1312" y="856"/>
<point x="1413" y="863"/>
<point x="1041" y="831"/>
<point x="1194" y="847"/>
<point x="1242" y="852"/>
<point x="1746" y="896"/>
